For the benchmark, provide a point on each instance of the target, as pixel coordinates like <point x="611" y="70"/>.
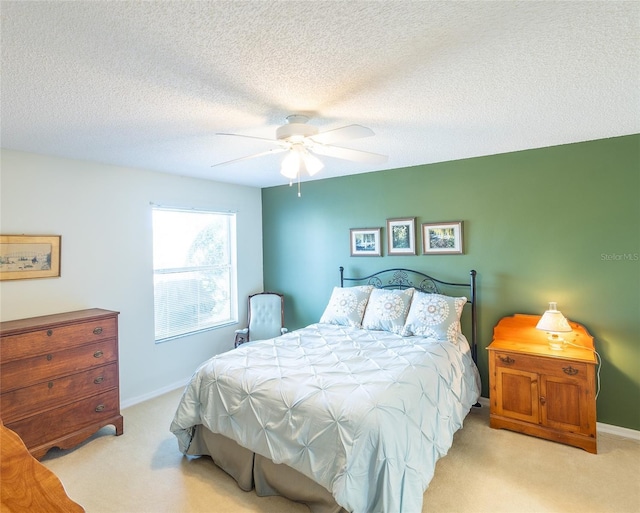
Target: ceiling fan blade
<point x="344" y="133"/>
<point x="349" y="154"/>
<point x="262" y="153"/>
<point x="249" y="137"/>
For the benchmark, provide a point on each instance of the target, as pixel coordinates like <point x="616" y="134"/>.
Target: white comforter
<point x="364" y="413"/>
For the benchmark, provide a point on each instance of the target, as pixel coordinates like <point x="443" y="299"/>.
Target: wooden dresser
<point x="59" y="379"/>
<point x="540" y="391"/>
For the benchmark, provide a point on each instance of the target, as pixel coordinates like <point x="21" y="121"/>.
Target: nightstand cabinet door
<point x="565" y="404"/>
<point x="516" y="394"/>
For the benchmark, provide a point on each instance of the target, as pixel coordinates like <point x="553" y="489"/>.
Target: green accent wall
<point x="552" y="224"/>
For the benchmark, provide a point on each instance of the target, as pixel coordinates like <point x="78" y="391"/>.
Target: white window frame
<point x="193" y="321"/>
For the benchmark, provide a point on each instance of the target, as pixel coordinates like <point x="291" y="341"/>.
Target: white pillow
<point x="346" y="306"/>
<point x="387" y="310"/>
<point x="435" y="315"/>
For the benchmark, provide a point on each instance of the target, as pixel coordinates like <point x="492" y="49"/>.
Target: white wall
<point x="103" y="214"/>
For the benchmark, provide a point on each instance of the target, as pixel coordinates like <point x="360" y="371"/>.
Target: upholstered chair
<point x="265" y="318"/>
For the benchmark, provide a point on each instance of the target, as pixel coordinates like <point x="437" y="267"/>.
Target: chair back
<point x="266" y="315"/>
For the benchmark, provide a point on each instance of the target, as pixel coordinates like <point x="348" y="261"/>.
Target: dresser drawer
<point x="548" y="366"/>
<point x="23" y="373"/>
<point x="24" y="402"/>
<point x="52" y="424"/>
<point x="47" y="339"/>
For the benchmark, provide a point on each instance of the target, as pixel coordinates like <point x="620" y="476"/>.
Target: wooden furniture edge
<point x="71" y="441"/>
<point x="26" y="484"/>
<point x="28" y="324"/>
<point x="587" y="443"/>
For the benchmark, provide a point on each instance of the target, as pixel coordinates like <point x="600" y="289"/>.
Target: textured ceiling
<point x="148" y="84"/>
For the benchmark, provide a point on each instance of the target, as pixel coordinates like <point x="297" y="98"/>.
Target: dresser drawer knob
<point x="97" y="331"/>
<point x="49" y="357"/>
<point x="98" y="380"/>
<point x="98" y="354"/>
<point x="506" y="359"/>
<point x="50" y="384"/>
<point x="570" y="370"/>
<point x="100" y="407"/>
<point x="49" y="333"/>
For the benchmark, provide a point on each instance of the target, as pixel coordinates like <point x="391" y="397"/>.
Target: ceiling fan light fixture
<point x="290" y="166"/>
<point x="311" y="163"/>
<point x="298" y="160"/>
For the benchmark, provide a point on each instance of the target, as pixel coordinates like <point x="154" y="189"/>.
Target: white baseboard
<point x="152" y="395"/>
<point x="618" y="431"/>
<point x="600" y="426"/>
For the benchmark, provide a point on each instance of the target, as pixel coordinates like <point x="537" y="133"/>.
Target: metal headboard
<point x="407" y="278"/>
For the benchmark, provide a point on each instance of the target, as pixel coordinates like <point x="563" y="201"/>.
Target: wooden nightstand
<point x="540" y="391"/>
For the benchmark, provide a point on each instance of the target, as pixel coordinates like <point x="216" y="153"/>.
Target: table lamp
<point x="554" y="323"/>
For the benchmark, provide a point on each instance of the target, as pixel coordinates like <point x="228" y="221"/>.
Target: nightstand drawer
<point x="549" y="366"/>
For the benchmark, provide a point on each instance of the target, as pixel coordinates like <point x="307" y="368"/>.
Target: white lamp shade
<point x="553" y="321"/>
<point x="299" y="159"/>
<point x="290" y="166"/>
<point x="312" y="163"/>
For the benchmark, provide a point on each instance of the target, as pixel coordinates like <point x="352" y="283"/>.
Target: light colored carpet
<point x="486" y="470"/>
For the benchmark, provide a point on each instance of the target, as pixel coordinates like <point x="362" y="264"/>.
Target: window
<point x="194" y="271"/>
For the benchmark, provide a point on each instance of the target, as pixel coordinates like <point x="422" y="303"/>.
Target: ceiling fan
<point x="302" y="142"/>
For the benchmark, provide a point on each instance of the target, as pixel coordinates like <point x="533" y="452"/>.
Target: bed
<point x="350" y="413"/>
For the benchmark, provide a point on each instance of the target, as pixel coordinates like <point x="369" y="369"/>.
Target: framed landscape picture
<point x="29" y="256"/>
<point x="366" y="242"/>
<point x="442" y="238"/>
<point x="401" y="236"/>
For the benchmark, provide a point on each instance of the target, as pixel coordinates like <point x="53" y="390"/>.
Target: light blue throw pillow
<point x="435" y="316"/>
<point x="387" y="310"/>
<point x="347" y="305"/>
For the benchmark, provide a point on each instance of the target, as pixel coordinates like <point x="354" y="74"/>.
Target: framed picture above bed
<point x="442" y="238"/>
<point x="366" y="242"/>
<point x="401" y="236"/>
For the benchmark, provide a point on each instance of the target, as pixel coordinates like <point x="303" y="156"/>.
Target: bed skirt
<point x="253" y="471"/>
